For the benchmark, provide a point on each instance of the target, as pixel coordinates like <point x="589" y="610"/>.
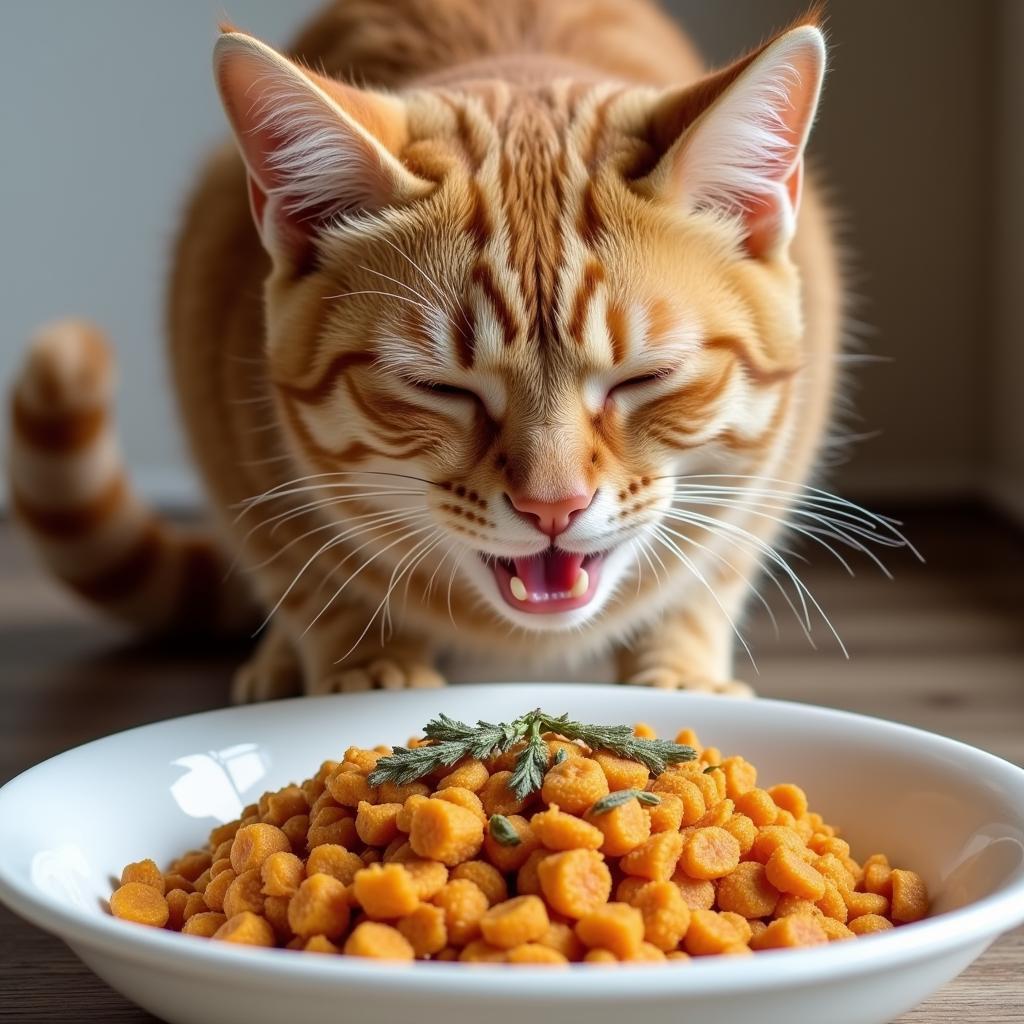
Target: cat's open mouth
<point x="556" y="581"/>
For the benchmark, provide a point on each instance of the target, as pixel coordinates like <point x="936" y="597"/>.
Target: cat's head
<point x="534" y="304"/>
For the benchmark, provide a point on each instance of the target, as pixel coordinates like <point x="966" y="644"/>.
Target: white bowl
<point x="949" y="811"/>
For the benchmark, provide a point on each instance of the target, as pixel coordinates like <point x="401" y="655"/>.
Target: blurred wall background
<point x="109" y="105"/>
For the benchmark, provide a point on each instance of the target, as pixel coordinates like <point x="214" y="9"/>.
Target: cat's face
<point x="538" y="308"/>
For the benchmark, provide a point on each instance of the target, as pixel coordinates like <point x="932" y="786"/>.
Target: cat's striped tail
<point x="68" y="487"/>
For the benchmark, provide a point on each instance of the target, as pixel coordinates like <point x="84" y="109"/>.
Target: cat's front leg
<point x="688" y="649"/>
<point x="273" y="670"/>
<point x="336" y="660"/>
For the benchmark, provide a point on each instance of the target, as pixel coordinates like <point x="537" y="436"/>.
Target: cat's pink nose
<point x="551" y="517"/>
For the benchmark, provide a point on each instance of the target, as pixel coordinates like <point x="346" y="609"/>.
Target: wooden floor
<point x="941" y="647"/>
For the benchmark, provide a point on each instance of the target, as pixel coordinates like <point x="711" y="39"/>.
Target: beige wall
<point x="1006" y="370"/>
<point x="904" y="143"/>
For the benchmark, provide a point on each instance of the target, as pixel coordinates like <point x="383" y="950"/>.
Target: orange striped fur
<point x="480" y="221"/>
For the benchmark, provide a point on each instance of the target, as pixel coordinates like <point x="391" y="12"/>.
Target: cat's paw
<point x="670" y="679"/>
<point x="382" y="674"/>
<point x="272" y="672"/>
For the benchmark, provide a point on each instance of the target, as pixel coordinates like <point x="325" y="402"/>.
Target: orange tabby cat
<point x="519" y="348"/>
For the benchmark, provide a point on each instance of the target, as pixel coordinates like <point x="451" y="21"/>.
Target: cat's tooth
<point x="518" y="588"/>
<point x="579" y="588"/>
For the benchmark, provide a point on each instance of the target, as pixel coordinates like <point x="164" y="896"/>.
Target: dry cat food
<point x="542" y="841"/>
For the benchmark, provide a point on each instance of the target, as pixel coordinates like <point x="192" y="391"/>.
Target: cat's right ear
<point x="315" y="149"/>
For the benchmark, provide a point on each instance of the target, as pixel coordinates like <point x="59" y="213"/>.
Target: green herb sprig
<point x="451" y="740"/>
<point x="623" y="796"/>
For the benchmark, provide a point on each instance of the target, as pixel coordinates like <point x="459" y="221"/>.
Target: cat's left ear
<point x="314" y="148"/>
<point x="735" y="142"/>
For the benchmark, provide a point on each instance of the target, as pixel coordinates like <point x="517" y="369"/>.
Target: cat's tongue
<point x="555" y="573"/>
<point x="556" y="581"/>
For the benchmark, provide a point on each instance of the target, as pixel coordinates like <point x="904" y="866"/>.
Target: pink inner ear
<point x="765" y="221"/>
<point x="257" y="202"/>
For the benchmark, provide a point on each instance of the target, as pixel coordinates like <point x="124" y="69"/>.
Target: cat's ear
<point x="314" y="148"/>
<point x="735" y="142"/>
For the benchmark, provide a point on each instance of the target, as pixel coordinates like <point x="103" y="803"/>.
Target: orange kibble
<point x="746" y="891"/>
<point x="218" y="867"/>
<point x="379" y="942"/>
<point x="793" y="930"/>
<point x="204" y="925"/>
<point x="404" y="819"/>
<point x="878" y="879"/>
<point x="177" y="899"/>
<point x="697" y="893"/>
<point x="443" y="831"/>
<point x="644" y="731"/>
<point x="363" y="759"/>
<point x="192" y="864"/>
<point x="511" y="858"/>
<point x="789" y="798"/>
<point x="832" y="904"/>
<point x="195" y="904"/>
<point x="478" y="951"/>
<point x="716" y="815"/>
<point x="425" y="929"/>
<point x="336" y="861"/>
<point x="835" y="930"/>
<point x="468" y="774"/>
<point x="534" y="953"/>
<point x="562" y="938"/>
<point x="244" y="894"/>
<point x="253" y="844"/>
<point x="498" y="798"/>
<point x="376" y="823"/>
<point x="790" y="904"/>
<point x="858" y="904"/>
<point x="710" y="853"/>
<point x="688" y="792"/>
<point x="487" y="878"/>
<point x="246" y="929"/>
<point x="557" y="830"/>
<point x="743" y="830"/>
<point x="398" y="793"/>
<point x="350" y="788"/>
<point x="214" y="892"/>
<point x="282" y="873"/>
<point x="222" y="833"/>
<point x="385" y="891"/>
<point x="769" y="837"/>
<point x="628" y="887"/>
<point x="519" y="920"/>
<point x="600" y="956"/>
<point x="334" y="825"/>
<point x="320" y="944"/>
<point x="833" y="869"/>
<point x="667" y="814"/>
<point x="575" y="784"/>
<point x="865" y="924"/>
<point x="141" y="903"/>
<point x="172" y="880"/>
<point x="428" y="876"/>
<point x="285" y="804"/>
<point x="740" y="776"/>
<point x="275" y="910"/>
<point x="788" y="872"/>
<point x="528" y="876"/>
<point x="622" y="829"/>
<point x="617" y="927"/>
<point x="758" y="806"/>
<point x="464" y="905"/>
<point x="655" y="859"/>
<point x="909" y="896"/>
<point x="574" y="882"/>
<point x="320" y="907"/>
<point x="620" y="772"/>
<point x="146" y="872"/>
<point x="464" y="798"/>
<point x="296" y="829"/>
<point x="710" y="933"/>
<point x="665" y="913"/>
